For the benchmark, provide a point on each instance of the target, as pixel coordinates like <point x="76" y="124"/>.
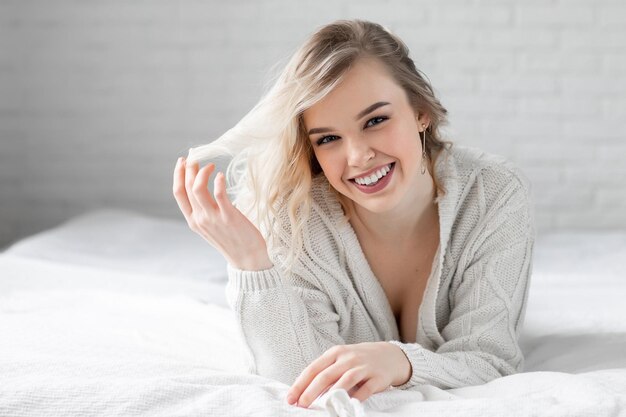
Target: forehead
<point x="367" y="82"/>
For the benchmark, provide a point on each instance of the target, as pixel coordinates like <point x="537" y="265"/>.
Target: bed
<point x="117" y="313"/>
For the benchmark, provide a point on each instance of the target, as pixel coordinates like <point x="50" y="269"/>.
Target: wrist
<point x="405" y="370"/>
<point x="258" y="262"/>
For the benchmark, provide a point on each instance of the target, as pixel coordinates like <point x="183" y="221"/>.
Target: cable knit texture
<point x="473" y="307"/>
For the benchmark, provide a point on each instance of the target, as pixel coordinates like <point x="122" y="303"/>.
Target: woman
<point x="363" y="251"/>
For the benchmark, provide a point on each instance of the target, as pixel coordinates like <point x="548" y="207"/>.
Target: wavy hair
<point x="273" y="164"/>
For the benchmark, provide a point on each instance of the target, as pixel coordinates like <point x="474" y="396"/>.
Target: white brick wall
<point x="98" y="99"/>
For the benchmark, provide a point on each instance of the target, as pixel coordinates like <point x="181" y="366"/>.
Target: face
<point x="366" y="127"/>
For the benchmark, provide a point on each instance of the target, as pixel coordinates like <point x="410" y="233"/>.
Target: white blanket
<point x="85" y="340"/>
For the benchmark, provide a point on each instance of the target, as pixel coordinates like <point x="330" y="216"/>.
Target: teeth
<point x="372" y="179"/>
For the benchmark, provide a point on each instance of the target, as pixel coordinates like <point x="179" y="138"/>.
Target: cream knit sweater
<point x="473" y="307"/>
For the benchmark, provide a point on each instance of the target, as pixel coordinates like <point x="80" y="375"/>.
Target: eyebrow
<point x="365" y="112"/>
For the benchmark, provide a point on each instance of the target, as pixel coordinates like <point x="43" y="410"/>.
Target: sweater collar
<point x="447" y="174"/>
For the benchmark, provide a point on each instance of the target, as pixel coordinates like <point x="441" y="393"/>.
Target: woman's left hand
<point x="361" y="369"/>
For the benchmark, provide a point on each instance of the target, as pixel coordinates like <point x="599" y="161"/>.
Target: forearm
<point x="276" y="323"/>
<point x="451" y="369"/>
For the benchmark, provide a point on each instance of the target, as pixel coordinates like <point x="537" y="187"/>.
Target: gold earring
<point x="424" y="153"/>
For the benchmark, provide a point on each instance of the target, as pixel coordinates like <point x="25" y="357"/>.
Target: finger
<point x="191" y="170"/>
<point x="351" y="379"/>
<point x="369" y="388"/>
<point x="221" y="197"/>
<point x="201" y="191"/>
<point x="320" y="384"/>
<point x="310" y="372"/>
<point x="180" y="193"/>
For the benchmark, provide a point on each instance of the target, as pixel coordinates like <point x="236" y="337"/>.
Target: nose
<point x="358" y="152"/>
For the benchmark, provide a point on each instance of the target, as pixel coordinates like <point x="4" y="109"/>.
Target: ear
<point x="423" y="121"/>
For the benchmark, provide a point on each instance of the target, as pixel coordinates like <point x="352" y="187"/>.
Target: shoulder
<point x="472" y="162"/>
<point x="483" y="192"/>
<point x="474" y="173"/>
<point x="319" y="227"/>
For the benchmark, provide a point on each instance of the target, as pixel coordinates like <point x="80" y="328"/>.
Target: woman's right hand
<point x="217" y="220"/>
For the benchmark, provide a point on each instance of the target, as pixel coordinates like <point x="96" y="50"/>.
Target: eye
<point x="381" y="118"/>
<point x="324" y="139"/>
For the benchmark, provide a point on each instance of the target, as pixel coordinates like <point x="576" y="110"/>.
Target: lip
<point x="370" y="172"/>
<point x="380" y="185"/>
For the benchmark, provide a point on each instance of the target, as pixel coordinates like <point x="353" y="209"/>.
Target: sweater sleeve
<point x="286" y="321"/>
<point x="488" y="306"/>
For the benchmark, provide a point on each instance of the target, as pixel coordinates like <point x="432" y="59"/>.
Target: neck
<point x="415" y="217"/>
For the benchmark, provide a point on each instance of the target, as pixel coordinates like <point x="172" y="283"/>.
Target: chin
<point x="375" y="208"/>
<point x="373" y="204"/>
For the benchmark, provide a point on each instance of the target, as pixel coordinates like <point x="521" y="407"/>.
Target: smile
<point x="376" y="181"/>
<point x="374" y="177"/>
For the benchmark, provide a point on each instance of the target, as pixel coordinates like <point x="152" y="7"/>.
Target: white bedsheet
<point x="127" y="241"/>
<point x="81" y="340"/>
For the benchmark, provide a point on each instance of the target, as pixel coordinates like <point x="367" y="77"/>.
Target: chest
<point x="403" y="274"/>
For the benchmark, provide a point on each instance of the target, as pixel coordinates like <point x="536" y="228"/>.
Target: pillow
<point x="127" y="241"/>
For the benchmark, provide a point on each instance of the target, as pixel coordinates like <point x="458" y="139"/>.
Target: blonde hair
<point x="273" y="164"/>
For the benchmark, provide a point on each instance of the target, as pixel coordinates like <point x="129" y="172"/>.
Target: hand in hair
<point x="362" y="369"/>
<point x="217" y="220"/>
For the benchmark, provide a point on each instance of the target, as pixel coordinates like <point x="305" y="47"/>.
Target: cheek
<point x="403" y="142"/>
<point x="331" y="165"/>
